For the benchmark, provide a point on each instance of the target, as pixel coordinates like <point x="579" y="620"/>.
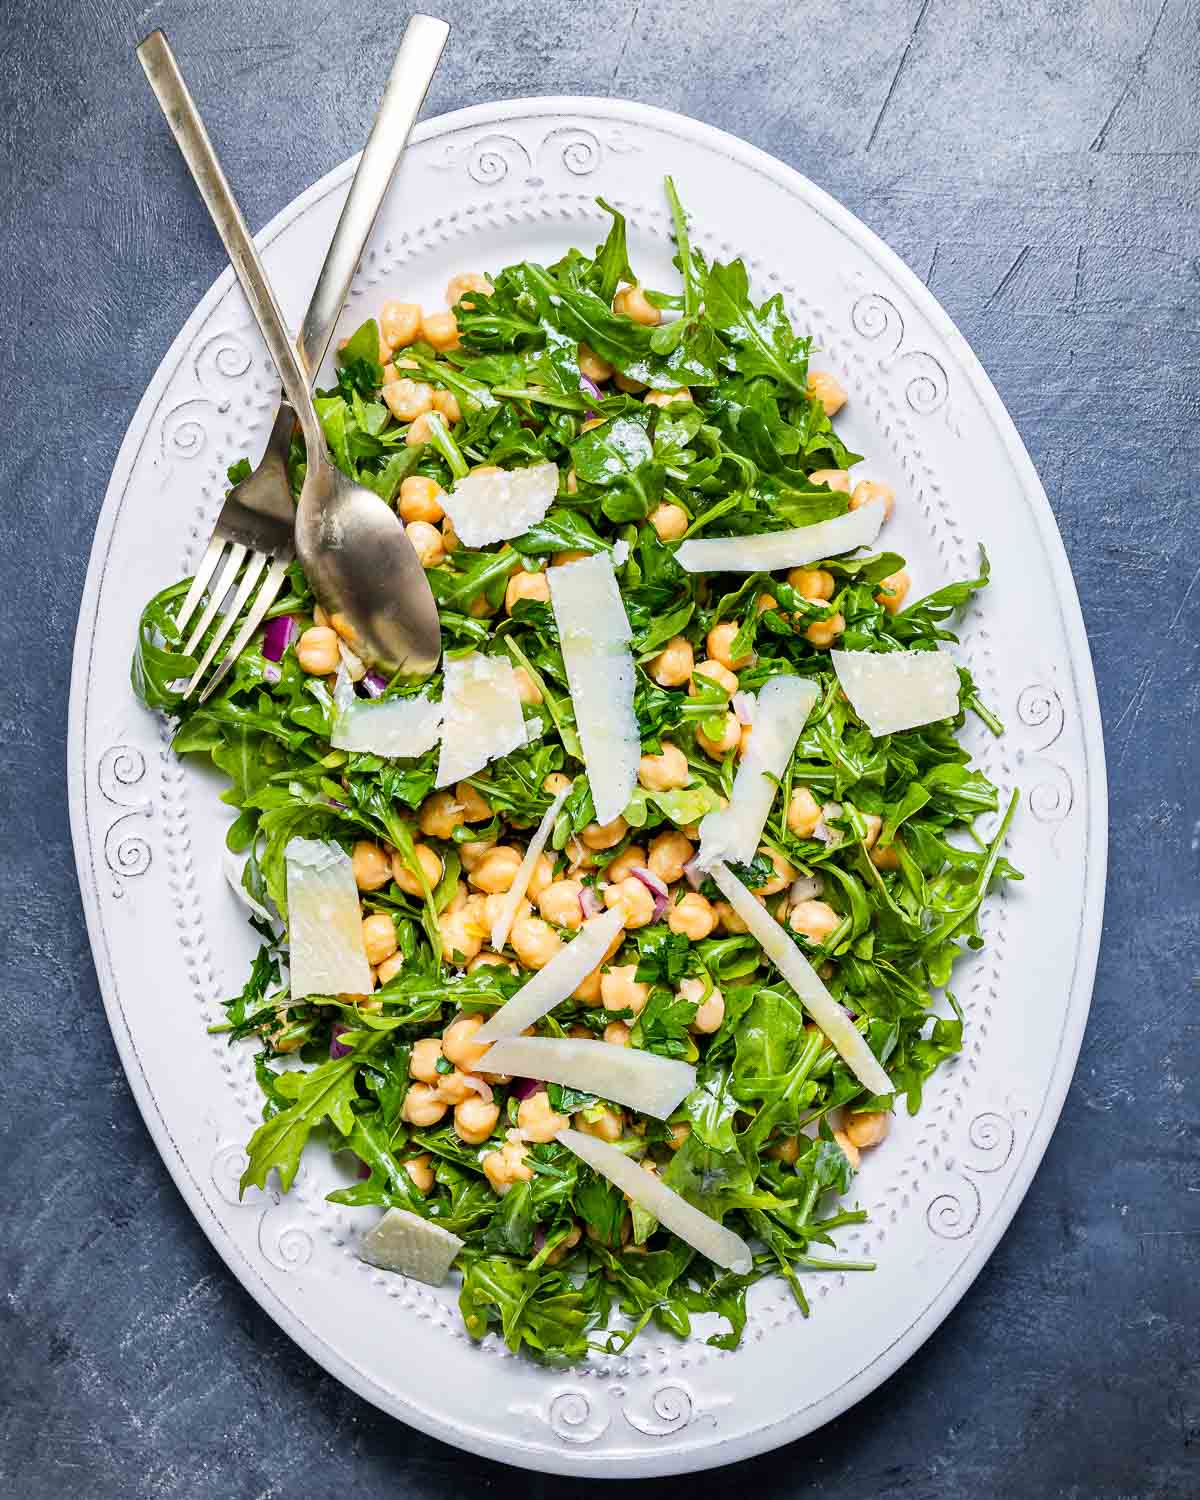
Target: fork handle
<point x="416" y="61"/>
<point x="192" y="139"/>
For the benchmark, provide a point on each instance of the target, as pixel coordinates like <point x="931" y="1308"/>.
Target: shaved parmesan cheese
<point x="481" y="715"/>
<point x="894" y="690"/>
<point x="733" y="833"/>
<point x="642" y="1080"/>
<point x="561" y="977"/>
<point x="399" y="726"/>
<point x="671" y="1210"/>
<point x="328" y="956"/>
<point x="492" y="507"/>
<point x="802" y="977"/>
<point x="771" y="550"/>
<point x="516" y="892"/>
<point x="411" y="1246"/>
<point x="594" y="634"/>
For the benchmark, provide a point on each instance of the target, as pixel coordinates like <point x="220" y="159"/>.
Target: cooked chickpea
<point x="454" y="1087"/>
<point x="823" y="387"/>
<point x="406" y="878"/>
<point x="466" y="281"/>
<point x="631" y="858"/>
<point x="419" y="432"/>
<point x="730" y="738"/>
<point x="609" y="1124"/>
<point x="849" y="1149"/>
<point x="631" y="302"/>
<point x="892" y="591"/>
<point x="728" y="920"/>
<point x="715" y="672"/>
<point x="475" y="1119"/>
<point x="783" y="873"/>
<point x="670" y="521"/>
<point x="541" y="876"/>
<point x="587" y="991"/>
<point x="616" y="1033"/>
<point x="399" y="324"/>
<point x="536" y="1120"/>
<point x="635" y="901"/>
<point x="458" y="899"/>
<point x="627" y="384"/>
<point x="672" y="667"/>
<point x="427" y="543"/>
<point x="832" y="479"/>
<point x="786" y="1149"/>
<point x="505" y="1167"/>
<point x="389" y="968"/>
<point x="692" y="916"/>
<point x="604" y="835"/>
<point x="420" y="1172"/>
<point x="486" y="960"/>
<point x="565" y="1246"/>
<point x="475" y="807"/>
<point x="379" y="937"/>
<point x="408" y="399"/>
<point x="446" y="404"/>
<point x="556" y="782"/>
<point x="458" y="1046"/>
<point x="591" y="365"/>
<point x="370" y="866"/>
<point x="669" y="852"/>
<point x="561" y="559"/>
<point x="420" y="500"/>
<point x="822" y="633"/>
<point x="527" y="690"/>
<point x="522" y="585"/>
<point x="619" y="990"/>
<point x="804" y="812"/>
<point x="867" y="490"/>
<point x="497" y="870"/>
<point x="765" y="602"/>
<point x="462" y="936"/>
<point x="815" y="584"/>
<point x="667" y="398"/>
<point x="666" y="771"/>
<point x="720" y="646"/>
<point x="710" y="1012"/>
<point x="441" y="813"/>
<point x="534" y="942"/>
<point x="814" y="920"/>
<point x="317" y="651"/>
<point x="449" y="536"/>
<point x="868" y="1128"/>
<point x="473" y="851"/>
<point x="874" y="823"/>
<point x="422" y="1061"/>
<point x="423" y="1105"/>
<point x="440" y="329"/>
<point x="886" y="857"/>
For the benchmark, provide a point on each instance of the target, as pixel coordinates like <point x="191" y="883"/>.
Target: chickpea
<point x="715" y="672"/>
<point x="867" y="1128"/>
<point x="832" y="479"/>
<point x="874" y="823"/>
<point x="462" y="936"/>
<point x="493" y="905"/>
<point x="893" y="590"/>
<point x="475" y="807"/>
<point x="667" y="398"/>
<point x="466" y="281"/>
<point x="822" y="387"/>
<point x="670" y="521"/>
<point x="587" y="992"/>
<point x="822" y="633"/>
<point x="591" y="365"/>
<point x="419" y="431"/>
<point x="534" y="942"/>
<point x="406" y="878"/>
<point x="730" y="738"/>
<point x="814" y="920"/>
<point x="680" y="1130"/>
<point x="473" y="851"/>
<point x="379" y="937"/>
<point x="786" y="1149"/>
<point x="720" y="646"/>
<point x="565" y="1246"/>
<point x="867" y="490"/>
<point x="460" y="896"/>
<point x="454" y="1087"/>
<point x="527" y="690"/>
<point x="541" y="876"/>
<point x="488" y="960"/>
<point x="627" y="384"/>
<point x="886" y="857"/>
<point x="422" y="1061"/>
<point x="389" y="968"/>
<point x="420" y="1172"/>
<point x="693" y="916"/>
<point x="457" y="1045"/>
<point x="619" y="990"/>
<point x="765" y="602"/>
<point x="561" y="559"/>
<point x="804" y="812"/>
<point x="783" y="875"/>
<point x="536" y="1120"/>
<point x="816" y="584"/>
<point x="427" y="543"/>
<point x="370" y="866"/>
<point x="440" y="329"/>
<point x="441" y="813"/>
<point x="449" y="536"/>
<point x="631" y="858"/>
<point x="408" y="399"/>
<point x="728" y="920"/>
<point x="604" y="835"/>
<point x="635" y="901"/>
<point x="666" y="771"/>
<point x="317" y="651"/>
<point x="616" y="1033"/>
<point x="522" y="585"/>
<point x="497" y="870"/>
<point x="672" y="667"/>
<point x="849" y="1149"/>
<point x="475" y="1119"/>
<point x="399" y="324"/>
<point x="631" y="302"/>
<point x="578" y="857"/>
<point x="609" y="1124"/>
<point x="507" y="1166"/>
<point x="420" y="500"/>
<point x="669" y="852"/>
<point x="480" y="608"/>
<point x="422" y="1105"/>
<point x="446" y="404"/>
<point x="556" y="782"/>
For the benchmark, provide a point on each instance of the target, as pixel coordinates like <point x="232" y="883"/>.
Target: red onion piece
<point x="363" y="1171"/>
<point x="278" y="636"/>
<point x="743" y="707"/>
<point x="335" y="1047"/>
<point x="539" y="1238"/>
<point x="272" y="671"/>
<point x="693" y="874"/>
<point x="655" y="886"/>
<point x="374" y="685"/>
<point x="484" y="1090"/>
<point x="590" y="903"/>
<point x="593" y="390"/>
<point x="522" y="1088"/>
<point x="805" y="888"/>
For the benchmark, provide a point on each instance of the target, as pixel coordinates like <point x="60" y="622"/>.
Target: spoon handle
<point x="192" y="139"/>
<point x="420" y="52"/>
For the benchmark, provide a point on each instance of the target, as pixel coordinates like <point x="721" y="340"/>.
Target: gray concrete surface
<point x="1037" y="162"/>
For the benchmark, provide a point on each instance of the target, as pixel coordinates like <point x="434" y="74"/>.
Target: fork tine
<point x="208" y="566"/>
<point x="228" y="573"/>
<point x="258" y="561"/>
<point x="272" y="583"/>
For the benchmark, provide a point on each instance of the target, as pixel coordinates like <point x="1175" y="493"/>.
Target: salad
<point x="605" y="953"/>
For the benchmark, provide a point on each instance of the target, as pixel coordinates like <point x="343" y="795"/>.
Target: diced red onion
<point x="693" y="874"/>
<point x="805" y="888"/>
<point x="374" y="685"/>
<point x="743" y="706"/>
<point x="522" y="1088"/>
<point x="335" y="1047"/>
<point x="539" y="1238"/>
<point x="278" y="636"/>
<point x="590" y="903"/>
<point x="593" y="390"/>
<point x="655" y="886"/>
<point x="363" y="1171"/>
<point x="272" y="671"/>
<point x="484" y="1090"/>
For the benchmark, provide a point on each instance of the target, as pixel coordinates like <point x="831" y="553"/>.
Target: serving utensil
<point x="358" y="559"/>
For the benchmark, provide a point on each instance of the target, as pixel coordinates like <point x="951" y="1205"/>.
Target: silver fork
<point x="257" y="521"/>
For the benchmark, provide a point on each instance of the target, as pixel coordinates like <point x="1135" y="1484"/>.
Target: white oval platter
<point x="478" y="189"/>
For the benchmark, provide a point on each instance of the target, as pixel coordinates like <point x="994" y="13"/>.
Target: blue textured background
<point x="1037" y="163"/>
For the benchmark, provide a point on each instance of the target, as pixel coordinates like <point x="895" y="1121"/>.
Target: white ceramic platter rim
<point x="1090" y="822"/>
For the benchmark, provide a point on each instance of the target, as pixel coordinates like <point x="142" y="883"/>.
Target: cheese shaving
<point x="482" y="718"/>
<point x="771" y="550"/>
<point x="642" y="1080"/>
<point x="895" y="690"/>
<point x="561" y="977"/>
<point x="394" y="728"/>
<point x="492" y="507"/>
<point x="328" y="956"/>
<point x="516" y="892"/>
<point x="411" y="1246"/>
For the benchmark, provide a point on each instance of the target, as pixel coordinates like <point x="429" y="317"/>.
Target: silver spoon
<point x="351" y="544"/>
